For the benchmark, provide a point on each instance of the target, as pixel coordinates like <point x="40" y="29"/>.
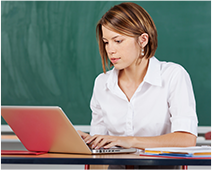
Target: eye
<point x="105" y="42"/>
<point x="118" y="41"/>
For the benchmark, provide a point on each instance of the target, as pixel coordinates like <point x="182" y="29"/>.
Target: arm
<point x="183" y="118"/>
<point x="181" y="105"/>
<point x="176" y="139"/>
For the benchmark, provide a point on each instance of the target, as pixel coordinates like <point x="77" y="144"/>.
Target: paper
<point x="196" y="150"/>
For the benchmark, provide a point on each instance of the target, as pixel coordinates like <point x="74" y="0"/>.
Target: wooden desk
<point x="69" y="159"/>
<point x="110" y="159"/>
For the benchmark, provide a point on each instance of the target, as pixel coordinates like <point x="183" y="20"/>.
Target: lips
<point x="114" y="60"/>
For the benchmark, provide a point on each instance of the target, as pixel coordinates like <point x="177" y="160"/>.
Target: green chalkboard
<point x="49" y="53"/>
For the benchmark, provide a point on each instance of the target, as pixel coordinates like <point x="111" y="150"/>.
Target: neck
<point x="135" y="73"/>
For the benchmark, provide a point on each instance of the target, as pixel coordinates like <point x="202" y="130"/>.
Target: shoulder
<point x="102" y="78"/>
<point x="170" y="66"/>
<point x="173" y="74"/>
<point x="172" y="69"/>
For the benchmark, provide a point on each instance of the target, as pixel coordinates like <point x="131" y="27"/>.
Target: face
<point x="123" y="51"/>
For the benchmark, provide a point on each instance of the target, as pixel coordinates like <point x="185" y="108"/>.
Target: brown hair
<point x="127" y="19"/>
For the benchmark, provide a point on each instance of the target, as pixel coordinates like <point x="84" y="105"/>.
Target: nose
<point x="110" y="49"/>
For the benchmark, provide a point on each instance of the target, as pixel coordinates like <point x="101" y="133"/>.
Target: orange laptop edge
<point x="48" y="129"/>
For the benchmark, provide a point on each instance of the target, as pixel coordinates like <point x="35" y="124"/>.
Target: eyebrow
<point x="111" y="38"/>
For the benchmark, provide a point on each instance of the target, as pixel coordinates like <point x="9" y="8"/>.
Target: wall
<point x="50" y="55"/>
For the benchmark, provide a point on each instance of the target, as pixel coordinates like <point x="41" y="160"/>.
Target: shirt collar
<point x="112" y="79"/>
<point x="153" y="75"/>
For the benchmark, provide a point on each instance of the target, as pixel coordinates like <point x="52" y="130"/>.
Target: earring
<point x="142" y="52"/>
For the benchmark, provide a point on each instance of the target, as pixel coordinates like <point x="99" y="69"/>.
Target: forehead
<point x="108" y="33"/>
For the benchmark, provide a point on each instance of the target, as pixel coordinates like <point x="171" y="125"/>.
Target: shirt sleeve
<point x="97" y="123"/>
<point x="182" y="105"/>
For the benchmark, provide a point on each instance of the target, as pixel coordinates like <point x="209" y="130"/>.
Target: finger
<point x="103" y="142"/>
<point x="97" y="140"/>
<point x="90" y="139"/>
<point x="82" y="134"/>
<point x="87" y="138"/>
<point x="109" y="145"/>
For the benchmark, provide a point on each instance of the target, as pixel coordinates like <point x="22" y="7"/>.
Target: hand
<point x="105" y="141"/>
<point x="84" y="136"/>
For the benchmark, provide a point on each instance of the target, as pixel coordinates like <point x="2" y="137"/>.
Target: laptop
<point x="48" y="129"/>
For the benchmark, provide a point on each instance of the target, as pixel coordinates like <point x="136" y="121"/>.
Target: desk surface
<point x="109" y="159"/>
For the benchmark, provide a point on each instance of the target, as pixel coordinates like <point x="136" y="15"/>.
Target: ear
<point x="143" y="39"/>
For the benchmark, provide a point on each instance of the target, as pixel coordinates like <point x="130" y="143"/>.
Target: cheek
<point x="106" y="49"/>
<point x="137" y="50"/>
<point x="132" y="51"/>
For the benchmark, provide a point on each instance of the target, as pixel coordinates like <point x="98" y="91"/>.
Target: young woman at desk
<point x="142" y="102"/>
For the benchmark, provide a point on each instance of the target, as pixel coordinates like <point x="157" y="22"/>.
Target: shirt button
<point x="130" y="106"/>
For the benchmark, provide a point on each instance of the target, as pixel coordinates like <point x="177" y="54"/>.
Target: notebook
<point x="181" y="151"/>
<point x="48" y="129"/>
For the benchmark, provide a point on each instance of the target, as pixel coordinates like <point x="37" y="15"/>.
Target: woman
<point x="141" y="102"/>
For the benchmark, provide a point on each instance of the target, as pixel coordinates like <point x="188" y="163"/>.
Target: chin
<point x="118" y="67"/>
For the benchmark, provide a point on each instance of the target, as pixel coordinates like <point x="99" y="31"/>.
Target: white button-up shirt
<point x="163" y="103"/>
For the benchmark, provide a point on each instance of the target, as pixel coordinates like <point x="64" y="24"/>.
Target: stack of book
<point x="199" y="152"/>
